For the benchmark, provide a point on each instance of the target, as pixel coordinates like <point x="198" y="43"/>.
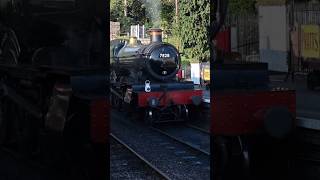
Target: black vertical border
<point x="106" y="5"/>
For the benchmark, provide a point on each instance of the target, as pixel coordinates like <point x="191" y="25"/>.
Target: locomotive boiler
<point x="156" y="61"/>
<point x="144" y="76"/>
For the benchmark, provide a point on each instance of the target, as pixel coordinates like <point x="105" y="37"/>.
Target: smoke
<point x="153" y="11"/>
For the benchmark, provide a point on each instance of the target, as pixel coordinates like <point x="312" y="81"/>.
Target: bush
<point x="192" y="28"/>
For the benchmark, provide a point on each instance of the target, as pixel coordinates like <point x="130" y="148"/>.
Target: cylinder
<point x="155" y="35"/>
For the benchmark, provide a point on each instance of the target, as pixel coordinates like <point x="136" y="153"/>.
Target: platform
<point x="308" y="106"/>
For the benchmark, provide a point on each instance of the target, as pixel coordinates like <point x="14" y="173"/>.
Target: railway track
<point x="175" y="159"/>
<point x="306" y="162"/>
<point x="189" y="135"/>
<point x="198" y="128"/>
<point x="125" y="166"/>
<point x="308" y="123"/>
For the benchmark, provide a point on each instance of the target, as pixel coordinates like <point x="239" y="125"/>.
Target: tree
<point x="167" y="14"/>
<point x="192" y="28"/>
<point x="160" y="13"/>
<point x="242" y="6"/>
<point x="137" y="11"/>
<point x="151" y="13"/>
<point x="116" y="10"/>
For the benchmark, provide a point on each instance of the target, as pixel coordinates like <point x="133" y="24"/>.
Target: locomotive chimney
<point x="155" y="35"/>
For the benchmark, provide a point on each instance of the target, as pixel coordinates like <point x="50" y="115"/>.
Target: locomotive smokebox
<point x="155" y="35"/>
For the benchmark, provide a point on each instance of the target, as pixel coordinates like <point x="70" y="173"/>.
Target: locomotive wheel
<point x="185" y="113"/>
<point x="149" y="117"/>
<point x="180" y="112"/>
<point x="220" y="157"/>
<point x="245" y="159"/>
<point x="194" y="112"/>
<point x="116" y="102"/>
<point x="278" y="122"/>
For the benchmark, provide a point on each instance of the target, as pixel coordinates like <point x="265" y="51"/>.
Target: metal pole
<point x="291" y="69"/>
<point x="137" y="31"/>
<point x="125" y="8"/>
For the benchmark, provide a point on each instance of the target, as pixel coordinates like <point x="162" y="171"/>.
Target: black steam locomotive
<point x="135" y="62"/>
<point x="145" y="76"/>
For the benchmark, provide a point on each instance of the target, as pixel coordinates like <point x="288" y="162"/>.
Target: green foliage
<point x="151" y="13"/>
<point x="242" y="6"/>
<point x="137" y="11"/>
<point x="193" y="27"/>
<point x="116" y="10"/>
<point x="125" y="23"/>
<point x="167" y="14"/>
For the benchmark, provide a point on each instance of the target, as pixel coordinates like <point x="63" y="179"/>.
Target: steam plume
<point x="153" y="8"/>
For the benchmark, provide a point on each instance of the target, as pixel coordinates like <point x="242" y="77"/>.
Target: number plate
<point x="164" y="55"/>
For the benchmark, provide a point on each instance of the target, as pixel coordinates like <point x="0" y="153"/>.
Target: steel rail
<point x="309" y="123"/>
<point x="198" y="128"/>
<point x="153" y="167"/>
<point x="182" y="142"/>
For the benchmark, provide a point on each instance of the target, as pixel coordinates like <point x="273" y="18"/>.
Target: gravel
<point x="203" y="120"/>
<point x="176" y="160"/>
<point x="125" y="165"/>
<point x="197" y="139"/>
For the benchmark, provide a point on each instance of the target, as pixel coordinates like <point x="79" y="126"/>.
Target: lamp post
<point x="125" y="8"/>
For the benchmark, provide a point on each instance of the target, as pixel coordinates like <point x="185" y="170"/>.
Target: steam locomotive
<point x="145" y="78"/>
